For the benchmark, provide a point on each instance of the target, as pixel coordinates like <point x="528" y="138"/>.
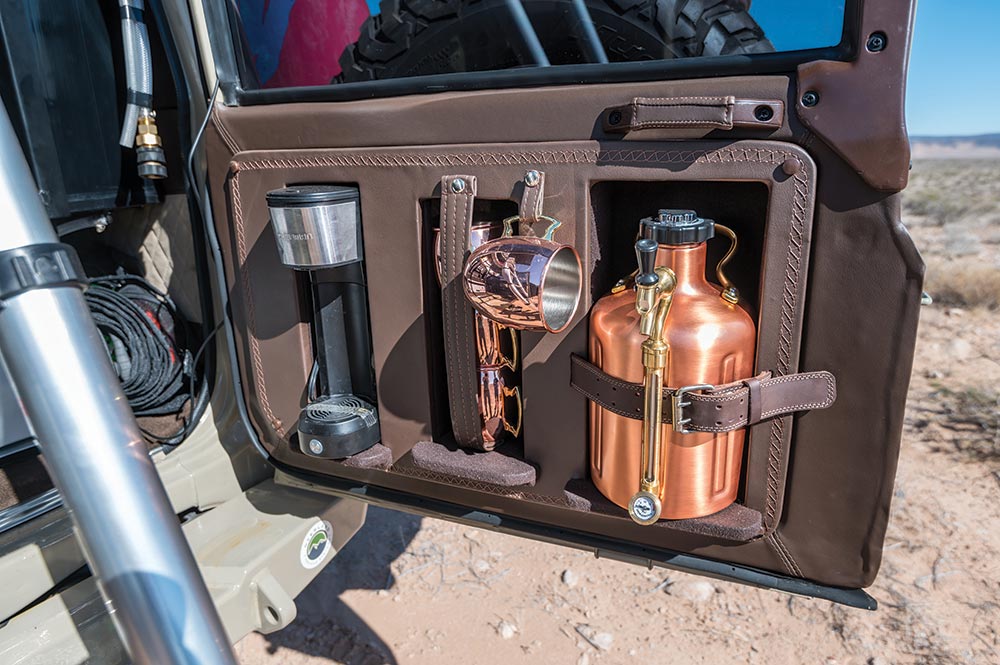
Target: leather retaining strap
<point x="728" y="407"/>
<point x="532" y="199"/>
<point x="458" y="193"/>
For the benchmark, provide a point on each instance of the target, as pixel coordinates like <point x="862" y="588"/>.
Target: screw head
<point x="315" y="446"/>
<point x="531" y="178"/>
<point x="810" y="98"/>
<point x="614" y="117"/>
<point x="458" y="185"/>
<point x="877" y="41"/>
<point x="763" y="113"/>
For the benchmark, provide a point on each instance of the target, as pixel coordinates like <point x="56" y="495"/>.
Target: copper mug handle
<point x="553" y="224"/>
<point x="488" y="347"/>
<point x="513" y="392"/>
<point x="515" y="352"/>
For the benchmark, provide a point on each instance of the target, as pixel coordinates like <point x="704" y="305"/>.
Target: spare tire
<point x="419" y="37"/>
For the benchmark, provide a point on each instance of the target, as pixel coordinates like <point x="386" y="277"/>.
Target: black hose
<point x="145" y="339"/>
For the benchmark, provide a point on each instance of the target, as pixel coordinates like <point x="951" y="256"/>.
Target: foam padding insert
<point x="492" y="468"/>
<point x="376" y="457"/>
<point x="735" y="522"/>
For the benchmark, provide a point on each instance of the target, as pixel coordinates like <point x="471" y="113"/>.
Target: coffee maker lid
<point x="305" y="196"/>
<point x="677" y="227"/>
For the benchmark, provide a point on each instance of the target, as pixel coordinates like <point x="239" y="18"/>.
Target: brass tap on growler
<point x="677" y="331"/>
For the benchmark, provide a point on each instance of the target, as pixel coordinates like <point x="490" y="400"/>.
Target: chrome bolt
<point x="532" y="178"/>
<point x="458" y="185"/>
<point x="315" y="446"/>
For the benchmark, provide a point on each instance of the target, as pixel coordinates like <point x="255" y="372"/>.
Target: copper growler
<point x="675" y="330"/>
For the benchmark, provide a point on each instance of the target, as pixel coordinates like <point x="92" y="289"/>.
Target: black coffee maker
<point x="318" y="230"/>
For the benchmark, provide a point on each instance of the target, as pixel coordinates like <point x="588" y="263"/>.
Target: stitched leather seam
<point x="241" y="248"/>
<point x="469" y="409"/>
<point x="666" y="124"/>
<point x="681" y="101"/>
<point x="455" y="382"/>
<point x="227" y="137"/>
<point x="724" y="397"/>
<point x="795" y="570"/>
<point x="790" y="297"/>
<point x="722" y="104"/>
<point x="780" y="551"/>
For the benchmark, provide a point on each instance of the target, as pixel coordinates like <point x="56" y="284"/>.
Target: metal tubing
<point x="95" y="453"/>
<point x="527" y="33"/>
<point x="591" y="45"/>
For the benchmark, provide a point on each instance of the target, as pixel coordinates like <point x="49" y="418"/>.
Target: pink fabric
<point x="318" y="31"/>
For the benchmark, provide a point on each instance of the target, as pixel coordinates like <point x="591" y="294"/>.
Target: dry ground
<point x="424" y="591"/>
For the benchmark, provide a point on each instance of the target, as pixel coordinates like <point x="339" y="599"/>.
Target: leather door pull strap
<point x="693" y="112"/>
<point x="458" y="193"/>
<point x="726" y="408"/>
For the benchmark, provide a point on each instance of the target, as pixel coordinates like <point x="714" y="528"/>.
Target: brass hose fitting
<point x="149" y="148"/>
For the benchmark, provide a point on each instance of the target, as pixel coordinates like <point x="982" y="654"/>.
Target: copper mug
<point x="498" y="396"/>
<point x="522" y="282"/>
<point x="492" y="350"/>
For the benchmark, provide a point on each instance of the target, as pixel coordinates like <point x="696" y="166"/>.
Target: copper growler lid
<point x="677" y="227"/>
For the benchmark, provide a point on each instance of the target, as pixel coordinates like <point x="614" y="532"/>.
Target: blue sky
<point x="954" y="83"/>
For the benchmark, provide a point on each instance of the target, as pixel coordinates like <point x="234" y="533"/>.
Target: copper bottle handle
<point x="729" y="292"/>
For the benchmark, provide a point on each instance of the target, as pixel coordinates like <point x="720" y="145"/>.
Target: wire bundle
<point x="140" y="326"/>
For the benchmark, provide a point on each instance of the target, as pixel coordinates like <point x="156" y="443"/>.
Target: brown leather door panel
<point x="839" y="292"/>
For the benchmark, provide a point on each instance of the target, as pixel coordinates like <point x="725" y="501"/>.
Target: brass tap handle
<point x="644" y="507"/>
<point x="645" y="256"/>
<point x="646" y="282"/>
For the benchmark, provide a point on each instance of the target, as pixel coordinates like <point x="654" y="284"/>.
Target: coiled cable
<point x="145" y="339"/>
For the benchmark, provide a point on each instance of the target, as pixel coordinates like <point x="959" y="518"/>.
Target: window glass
<point x="317" y="42"/>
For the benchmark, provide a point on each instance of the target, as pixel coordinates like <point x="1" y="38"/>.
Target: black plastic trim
<point x="601" y="547"/>
<point x="40" y="266"/>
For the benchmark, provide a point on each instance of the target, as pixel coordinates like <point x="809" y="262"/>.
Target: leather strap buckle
<point x="677" y="405"/>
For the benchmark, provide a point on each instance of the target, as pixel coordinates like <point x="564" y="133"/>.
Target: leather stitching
<point x="794" y="255"/>
<point x="462" y="390"/>
<point x="780" y="551"/>
<point x="726" y="396"/>
<point x="241" y="248"/>
<point x="722" y="104"/>
<point x="226" y="136"/>
<point x="786" y="556"/>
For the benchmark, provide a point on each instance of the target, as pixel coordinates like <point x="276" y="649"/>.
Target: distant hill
<point x="984" y="146"/>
